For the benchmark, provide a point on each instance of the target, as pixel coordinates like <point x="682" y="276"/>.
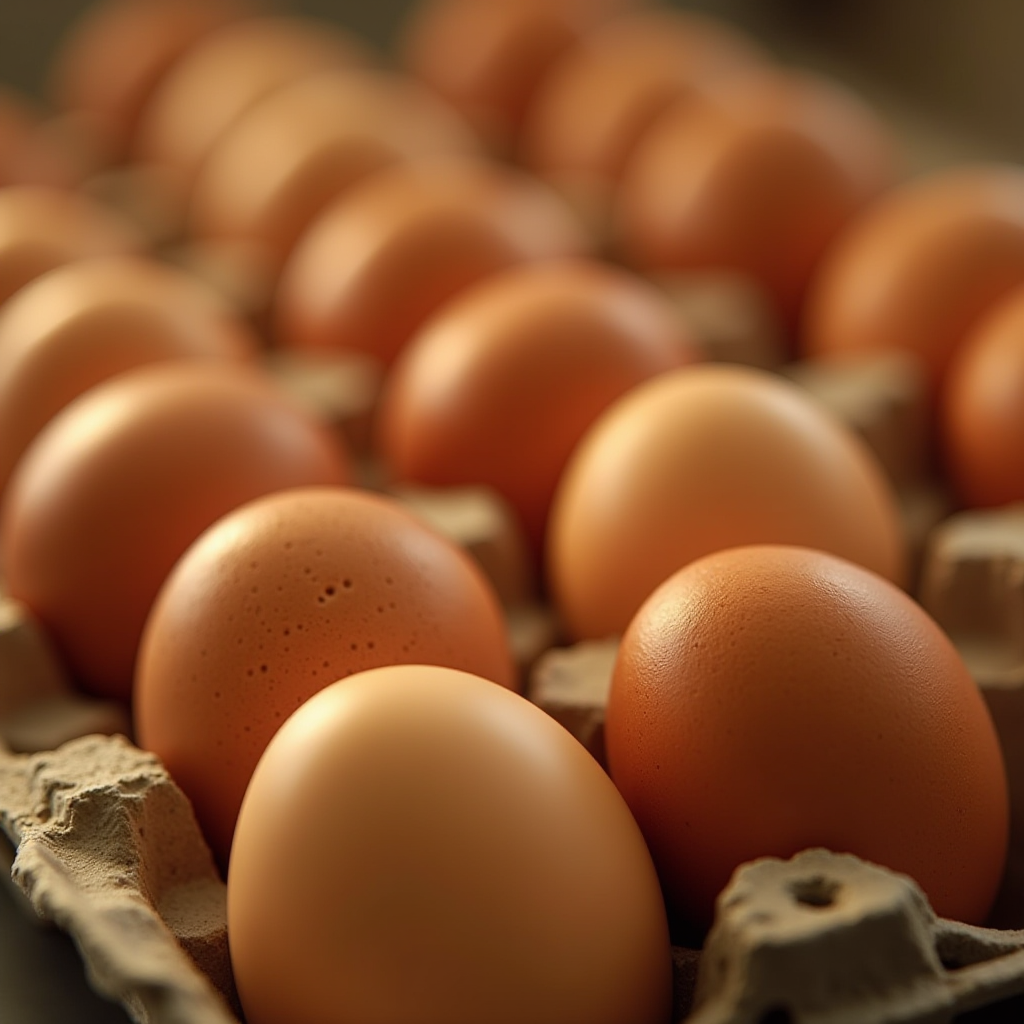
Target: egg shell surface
<point x="378" y="262"/>
<point x="309" y="143"/>
<point x="43" y="227"/>
<point x="282" y="597"/>
<point x="758" y="179"/>
<point x="920" y="266"/>
<point x="704" y="458"/>
<point x="769" y="699"/>
<point x="118" y="484"/>
<point x="501" y="384"/>
<point x="87" y="321"/>
<point x="982" y="408"/>
<point x="422" y="809"/>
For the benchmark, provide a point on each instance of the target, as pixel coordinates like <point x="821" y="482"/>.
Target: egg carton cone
<point x="107" y="847"/>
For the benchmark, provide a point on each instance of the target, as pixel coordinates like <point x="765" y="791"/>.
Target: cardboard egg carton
<point x="108" y="849"/>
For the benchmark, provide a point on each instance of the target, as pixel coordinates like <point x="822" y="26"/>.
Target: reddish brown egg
<point x="377" y="263"/>
<point x="768" y="699"/>
<point x="224" y="75"/>
<point x="502" y="383"/>
<point x="307" y="144"/>
<point x="118" y="485"/>
<point x="43" y="228"/>
<point x="701" y="459"/>
<point x="82" y="323"/>
<point x="488" y="59"/>
<point x="919" y="268"/>
<point x="116" y="53"/>
<point x="758" y="180"/>
<point x="279" y="599"/>
<point x="601" y="96"/>
<point x="982" y="408"/>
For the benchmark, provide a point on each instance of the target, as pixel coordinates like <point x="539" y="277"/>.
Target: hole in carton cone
<point x="776" y="1015"/>
<point x="816" y="891"/>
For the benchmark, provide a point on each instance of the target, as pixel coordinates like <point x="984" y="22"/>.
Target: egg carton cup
<point x="107" y="847"/>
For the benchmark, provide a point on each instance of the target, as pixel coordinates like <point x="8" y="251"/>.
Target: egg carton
<point x="108" y="848"/>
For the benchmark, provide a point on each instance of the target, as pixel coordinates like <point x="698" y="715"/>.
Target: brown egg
<point x="768" y="699"/>
<point x="982" y="408"/>
<point x="376" y="264"/>
<point x="701" y="459"/>
<point x="116" y="53"/>
<point x="281" y="598"/>
<point x="418" y="807"/>
<point x="309" y="143"/>
<point x="602" y="95"/>
<point x="118" y="485"/>
<point x="224" y="75"/>
<point x="919" y="267"/>
<point x="758" y="181"/>
<point x="488" y="59"/>
<point x="82" y="323"/>
<point x="42" y="228"/>
<point x="501" y="384"/>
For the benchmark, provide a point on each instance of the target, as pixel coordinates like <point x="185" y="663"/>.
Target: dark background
<point x="957" y="61"/>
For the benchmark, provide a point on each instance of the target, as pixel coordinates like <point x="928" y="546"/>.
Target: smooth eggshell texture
<point x="604" y="92"/>
<point x="919" y="267"/>
<point x="309" y="143"/>
<point x="982" y="408"/>
<point x="701" y="459"/>
<point x="377" y="263"/>
<point x="488" y="59"/>
<point x="770" y="699"/>
<point x="118" y="484"/>
<point x="428" y="811"/>
<point x="281" y="598"/>
<point x="503" y="382"/>
<point x="757" y="180"/>
<point x="223" y="76"/>
<point x="42" y="228"/>
<point x="87" y="321"/>
<point x="116" y="53"/>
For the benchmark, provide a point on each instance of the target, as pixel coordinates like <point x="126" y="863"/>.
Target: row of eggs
<point x="509" y="352"/>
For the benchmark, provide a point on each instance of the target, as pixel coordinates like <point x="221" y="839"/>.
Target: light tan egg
<point x="42" y="228"/>
<point x="600" y="97"/>
<point x="223" y="76"/>
<point x="115" y="54"/>
<point x="118" y="484"/>
<point x="488" y="59"/>
<point x="415" y="807"/>
<point x="757" y="180"/>
<point x="308" y="144"/>
<point x="501" y="384"/>
<point x="920" y="267"/>
<point x="702" y="459"/>
<point x="278" y="599"/>
<point x="379" y="262"/>
<point x="82" y="323"/>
